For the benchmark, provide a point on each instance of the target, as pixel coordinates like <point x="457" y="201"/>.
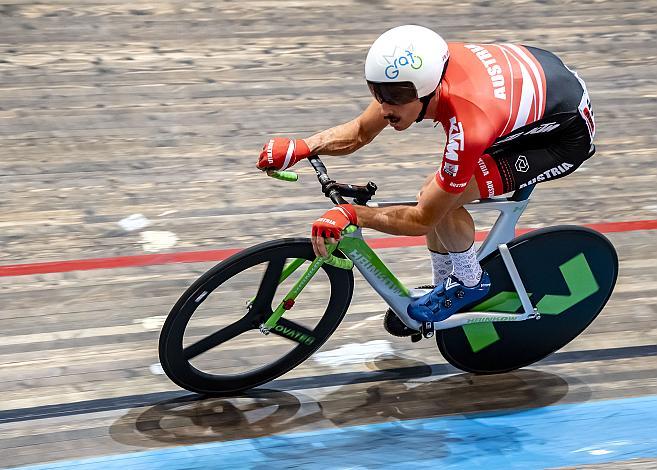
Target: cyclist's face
<point x="401" y="116"/>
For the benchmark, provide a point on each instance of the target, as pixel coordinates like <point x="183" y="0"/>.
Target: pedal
<point x="416" y="337"/>
<point x="427" y="330"/>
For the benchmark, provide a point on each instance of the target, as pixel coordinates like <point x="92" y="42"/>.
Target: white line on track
<point x="134" y="222"/>
<point x="354" y="353"/>
<point x="158" y="240"/>
<point x="367" y="320"/>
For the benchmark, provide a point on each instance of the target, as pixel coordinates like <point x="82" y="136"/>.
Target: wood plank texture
<point x="160" y="108"/>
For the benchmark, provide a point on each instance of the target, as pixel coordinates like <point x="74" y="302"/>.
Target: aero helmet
<point x="406" y="63"/>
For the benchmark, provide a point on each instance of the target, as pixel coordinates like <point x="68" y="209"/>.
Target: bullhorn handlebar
<point x="333" y="190"/>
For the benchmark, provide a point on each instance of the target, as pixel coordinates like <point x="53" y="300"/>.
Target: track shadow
<point x="261" y="412"/>
<point x="194" y="419"/>
<point x="455" y="394"/>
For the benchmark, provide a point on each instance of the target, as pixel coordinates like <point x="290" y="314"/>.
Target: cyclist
<point x="513" y="115"/>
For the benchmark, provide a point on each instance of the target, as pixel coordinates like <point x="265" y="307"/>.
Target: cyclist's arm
<point x="445" y="191"/>
<point x="432" y="206"/>
<point x="350" y="136"/>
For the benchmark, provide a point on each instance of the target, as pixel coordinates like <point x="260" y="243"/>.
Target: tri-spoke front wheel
<point x="213" y="341"/>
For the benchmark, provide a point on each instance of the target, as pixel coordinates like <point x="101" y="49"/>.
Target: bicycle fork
<point x="288" y="301"/>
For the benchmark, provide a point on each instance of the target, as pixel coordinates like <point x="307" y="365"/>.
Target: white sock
<point x="441" y="267"/>
<point x="466" y="267"/>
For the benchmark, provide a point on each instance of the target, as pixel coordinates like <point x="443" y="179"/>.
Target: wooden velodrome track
<point x="110" y="109"/>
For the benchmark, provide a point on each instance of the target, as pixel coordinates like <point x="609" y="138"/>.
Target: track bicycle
<point x="548" y="285"/>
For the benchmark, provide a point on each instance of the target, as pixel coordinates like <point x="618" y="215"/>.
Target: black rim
<point x="175" y="359"/>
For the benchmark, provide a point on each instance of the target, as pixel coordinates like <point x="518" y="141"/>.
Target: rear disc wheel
<point x="569" y="273"/>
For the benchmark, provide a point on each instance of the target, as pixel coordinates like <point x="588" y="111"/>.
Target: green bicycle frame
<point x="359" y="254"/>
<point x="398" y="296"/>
<point x="377" y="274"/>
<point x="303" y="281"/>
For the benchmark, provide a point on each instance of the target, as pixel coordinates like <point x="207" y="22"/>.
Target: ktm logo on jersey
<point x="455" y="140"/>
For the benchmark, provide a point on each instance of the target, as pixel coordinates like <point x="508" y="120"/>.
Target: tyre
<point x="211" y="342"/>
<point x="569" y="273"/>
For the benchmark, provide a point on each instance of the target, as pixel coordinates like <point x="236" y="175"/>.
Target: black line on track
<point x="302" y="383"/>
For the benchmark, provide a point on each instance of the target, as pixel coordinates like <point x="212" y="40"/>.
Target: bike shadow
<point x="195" y="419"/>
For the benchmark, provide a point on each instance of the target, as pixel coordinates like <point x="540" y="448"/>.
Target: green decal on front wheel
<point x="579" y="279"/>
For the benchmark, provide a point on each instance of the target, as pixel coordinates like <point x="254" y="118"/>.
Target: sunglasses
<point x="393" y="93"/>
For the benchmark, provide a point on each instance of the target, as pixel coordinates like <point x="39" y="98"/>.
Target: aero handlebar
<point x="333" y="190"/>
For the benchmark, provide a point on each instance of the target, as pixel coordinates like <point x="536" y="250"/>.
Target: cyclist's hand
<point x="281" y="153"/>
<point x="330" y="225"/>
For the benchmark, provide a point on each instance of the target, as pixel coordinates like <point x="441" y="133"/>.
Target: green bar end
<point x="284" y="175"/>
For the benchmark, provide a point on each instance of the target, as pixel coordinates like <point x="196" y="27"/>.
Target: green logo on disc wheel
<point x="578" y="277"/>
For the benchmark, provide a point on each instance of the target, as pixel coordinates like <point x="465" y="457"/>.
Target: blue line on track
<point x="553" y="436"/>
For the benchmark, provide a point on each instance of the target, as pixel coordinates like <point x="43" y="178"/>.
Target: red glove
<point x="334" y="221"/>
<point x="281" y="153"/>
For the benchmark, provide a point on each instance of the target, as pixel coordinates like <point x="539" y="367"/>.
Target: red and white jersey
<point x="489" y="91"/>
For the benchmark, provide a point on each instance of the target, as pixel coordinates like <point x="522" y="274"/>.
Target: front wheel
<point x="212" y="342"/>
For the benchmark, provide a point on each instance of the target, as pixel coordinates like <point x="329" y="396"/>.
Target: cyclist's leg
<point x="527" y="161"/>
<point x="530" y="159"/>
<point x="458" y="226"/>
<point x="466" y="283"/>
<point x="541" y="156"/>
<point x="455" y="233"/>
<point x="441" y="263"/>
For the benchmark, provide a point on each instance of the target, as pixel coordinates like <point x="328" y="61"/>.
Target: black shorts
<point x="548" y="149"/>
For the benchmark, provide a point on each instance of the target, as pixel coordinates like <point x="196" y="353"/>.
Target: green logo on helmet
<point x="409" y="59"/>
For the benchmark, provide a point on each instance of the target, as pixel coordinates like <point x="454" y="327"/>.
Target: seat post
<point x="521" y="194"/>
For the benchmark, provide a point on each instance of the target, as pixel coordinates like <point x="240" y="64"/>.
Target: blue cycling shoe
<point x="448" y="299"/>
